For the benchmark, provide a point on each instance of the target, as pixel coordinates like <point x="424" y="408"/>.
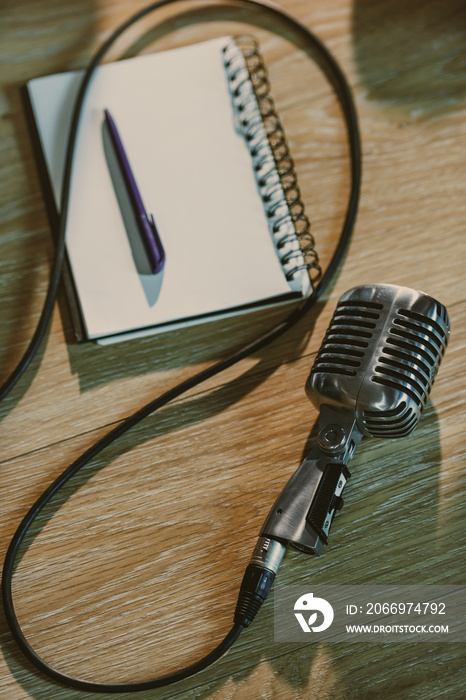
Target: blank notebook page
<point x="174" y="114"/>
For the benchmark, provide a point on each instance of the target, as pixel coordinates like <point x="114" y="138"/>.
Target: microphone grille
<point x="408" y="362"/>
<point x="379" y="357"/>
<point x="348" y="337"/>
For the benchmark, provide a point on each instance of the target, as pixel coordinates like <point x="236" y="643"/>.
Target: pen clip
<point x="157" y="253"/>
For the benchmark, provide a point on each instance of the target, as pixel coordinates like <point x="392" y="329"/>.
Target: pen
<point x="145" y="224"/>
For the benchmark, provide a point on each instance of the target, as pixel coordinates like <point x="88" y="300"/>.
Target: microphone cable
<point x="336" y="77"/>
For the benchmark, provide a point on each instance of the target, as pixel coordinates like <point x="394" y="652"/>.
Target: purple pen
<point x="145" y="224"/>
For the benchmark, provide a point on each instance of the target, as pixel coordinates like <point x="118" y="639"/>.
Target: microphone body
<point x="372" y="376"/>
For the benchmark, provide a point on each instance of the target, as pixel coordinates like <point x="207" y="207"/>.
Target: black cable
<point x="343" y="92"/>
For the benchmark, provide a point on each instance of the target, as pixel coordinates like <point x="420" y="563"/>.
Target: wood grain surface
<point x="133" y="571"/>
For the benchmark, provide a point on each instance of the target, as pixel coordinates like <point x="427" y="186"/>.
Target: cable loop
<point x="335" y="75"/>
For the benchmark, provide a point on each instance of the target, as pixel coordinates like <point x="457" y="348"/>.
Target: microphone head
<point x="379" y="357"/>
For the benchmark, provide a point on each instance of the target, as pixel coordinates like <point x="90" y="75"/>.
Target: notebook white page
<point x="174" y="114"/>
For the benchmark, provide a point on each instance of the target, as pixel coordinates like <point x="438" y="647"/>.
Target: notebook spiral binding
<point x="274" y="168"/>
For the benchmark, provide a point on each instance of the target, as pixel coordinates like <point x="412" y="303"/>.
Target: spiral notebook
<point x="212" y="164"/>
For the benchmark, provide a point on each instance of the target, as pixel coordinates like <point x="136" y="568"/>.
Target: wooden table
<point x="137" y="572"/>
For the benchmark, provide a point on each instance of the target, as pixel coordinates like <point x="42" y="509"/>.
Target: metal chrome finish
<point x="268" y="554"/>
<point x="372" y="376"/>
<point x="332" y="438"/>
<point x="302" y="514"/>
<point x="380" y="356"/>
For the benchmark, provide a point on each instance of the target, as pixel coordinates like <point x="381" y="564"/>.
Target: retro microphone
<point x="371" y="377"/>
